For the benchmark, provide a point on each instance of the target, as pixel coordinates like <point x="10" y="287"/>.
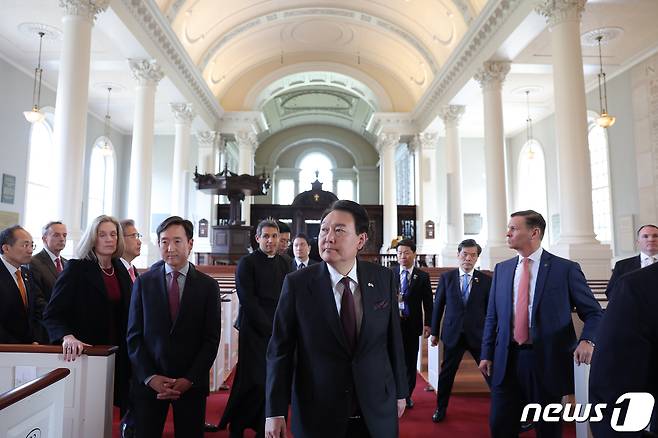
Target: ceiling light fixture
<point x="35" y="115"/>
<point x="106" y="145"/>
<point x="605" y="120"/>
<point x="528" y="127"/>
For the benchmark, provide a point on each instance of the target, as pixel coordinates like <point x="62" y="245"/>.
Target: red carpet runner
<point x="468" y="416"/>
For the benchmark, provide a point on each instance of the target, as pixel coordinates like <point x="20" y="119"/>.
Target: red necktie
<point x="58" y="265"/>
<point x="131" y="272"/>
<point x="521" y="326"/>
<point x="174" y="296"/>
<point x="348" y="314"/>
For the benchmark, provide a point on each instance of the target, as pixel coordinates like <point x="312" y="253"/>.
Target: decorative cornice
<point x="236" y="121"/>
<point x="387" y="140"/>
<point x="183" y="112"/>
<point x="492" y="73"/>
<point x="173" y="9"/>
<point x="88" y="9"/>
<point x="424" y="140"/>
<point x="450" y="114"/>
<point x="146" y="71"/>
<point x="207" y="139"/>
<point x="246" y="140"/>
<point x="181" y="70"/>
<point x="558" y="11"/>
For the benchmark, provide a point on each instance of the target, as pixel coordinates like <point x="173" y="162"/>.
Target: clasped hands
<point x="168" y="388"/>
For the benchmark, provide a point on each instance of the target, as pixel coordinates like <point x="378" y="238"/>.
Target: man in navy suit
<point x="301" y="248"/>
<point x="529" y="342"/>
<point x="647" y="242"/>
<point x="173" y="335"/>
<point x="337" y="331"/>
<point x="415" y="304"/>
<point x="463" y="295"/>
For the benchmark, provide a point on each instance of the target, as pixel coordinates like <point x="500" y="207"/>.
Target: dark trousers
<point x="452" y="357"/>
<point x="356" y="428"/>
<point x="520" y="387"/>
<point x="411" y="343"/>
<point x="150" y="413"/>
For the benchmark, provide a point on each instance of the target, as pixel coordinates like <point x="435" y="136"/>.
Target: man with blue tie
<point x="529" y="342"/>
<point x="463" y="295"/>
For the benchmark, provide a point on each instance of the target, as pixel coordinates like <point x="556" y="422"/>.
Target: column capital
<point x="246" y="139"/>
<point x="558" y="11"/>
<point x="450" y="114"/>
<point x="423" y="140"/>
<point x="183" y="112"/>
<point x="88" y="9"/>
<point x="207" y="139"/>
<point x="492" y="73"/>
<point x="387" y="140"/>
<point x="146" y="71"/>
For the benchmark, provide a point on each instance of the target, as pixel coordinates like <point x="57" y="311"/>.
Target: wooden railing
<point x="17" y="394"/>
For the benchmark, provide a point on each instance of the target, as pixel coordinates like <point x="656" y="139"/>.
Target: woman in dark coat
<point x="90" y="301"/>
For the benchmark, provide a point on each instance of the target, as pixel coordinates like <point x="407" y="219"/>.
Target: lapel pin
<point x="415" y="276"/>
<point x="371" y="285"/>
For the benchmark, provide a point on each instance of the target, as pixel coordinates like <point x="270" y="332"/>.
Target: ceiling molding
<point x="147" y="18"/>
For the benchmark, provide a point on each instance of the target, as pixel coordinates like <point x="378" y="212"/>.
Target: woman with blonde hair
<point x="90" y="300"/>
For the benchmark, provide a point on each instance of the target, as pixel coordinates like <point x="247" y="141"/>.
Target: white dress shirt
<point x="337" y="288"/>
<point x="11" y="268"/>
<point x="181" y="278"/>
<point x="461" y="281"/>
<point x="534" y="270"/>
<point x="647" y="260"/>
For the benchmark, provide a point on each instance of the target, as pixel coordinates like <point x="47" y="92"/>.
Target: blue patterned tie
<point x="405" y="291"/>
<point x="465" y="282"/>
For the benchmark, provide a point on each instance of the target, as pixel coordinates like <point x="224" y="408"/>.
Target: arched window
<point x="39" y="202"/>
<point x="601" y="209"/>
<point x="531" y="180"/>
<point x="312" y="163"/>
<point x="285" y="191"/>
<point x="101" y="179"/>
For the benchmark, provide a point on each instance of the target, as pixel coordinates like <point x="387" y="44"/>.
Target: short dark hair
<point x="8" y="236"/>
<point x="408" y="243"/>
<point x="176" y="220"/>
<point x="469" y="243"/>
<point x="644" y="226"/>
<point x="360" y="215"/>
<point x="302" y="236"/>
<point x="283" y="227"/>
<point x="266" y="223"/>
<point x="532" y="220"/>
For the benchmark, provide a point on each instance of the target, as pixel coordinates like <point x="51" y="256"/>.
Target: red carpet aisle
<point x="468" y="416"/>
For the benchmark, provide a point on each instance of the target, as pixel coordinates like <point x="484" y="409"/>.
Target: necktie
<point x="21" y="287"/>
<point x="301" y="266"/>
<point x="348" y="314"/>
<point x="404" y="309"/>
<point x="174" y="295"/>
<point x="58" y="265"/>
<point x="465" y="281"/>
<point x="521" y="327"/>
<point x="131" y="272"/>
<point x="653" y="260"/>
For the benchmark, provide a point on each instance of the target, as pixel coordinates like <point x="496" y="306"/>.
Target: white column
<point x="419" y="144"/>
<point x="204" y="202"/>
<point x="71" y="111"/>
<point x="180" y="175"/>
<point x="247" y="144"/>
<point x="386" y="145"/>
<point x="147" y="73"/>
<point x="577" y="240"/>
<point x="450" y="114"/>
<point x="491" y="77"/>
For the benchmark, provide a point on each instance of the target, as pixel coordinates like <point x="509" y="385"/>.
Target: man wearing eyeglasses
<point x="133" y="247"/>
<point x="21" y="298"/>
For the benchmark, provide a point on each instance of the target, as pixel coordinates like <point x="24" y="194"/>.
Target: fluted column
<point x="70" y="130"/>
<point x="386" y="145"/>
<point x="450" y="114"/>
<point x="180" y="187"/>
<point x="247" y="144"/>
<point x="420" y="143"/>
<point x="148" y="74"/>
<point x="491" y="77"/>
<point x="577" y="240"/>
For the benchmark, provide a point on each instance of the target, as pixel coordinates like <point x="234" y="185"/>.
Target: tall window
<point x="285" y="191"/>
<point x="39" y="203"/>
<point x="601" y="209"/>
<point x="345" y="189"/>
<point x="316" y="162"/>
<point x="101" y="179"/>
<point x="531" y="182"/>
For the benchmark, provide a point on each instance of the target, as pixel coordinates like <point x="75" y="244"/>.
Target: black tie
<point x="301" y="266"/>
<point x="348" y="314"/>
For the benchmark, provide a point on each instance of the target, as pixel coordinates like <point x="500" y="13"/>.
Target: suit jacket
<point x="308" y="342"/>
<point x="18" y="325"/>
<point x="560" y="286"/>
<point x="419" y="299"/>
<point x="459" y="318"/>
<point x="185" y="347"/>
<point x="293" y="264"/>
<point x="44" y="271"/>
<point x="622" y="267"/>
<point x="626" y="354"/>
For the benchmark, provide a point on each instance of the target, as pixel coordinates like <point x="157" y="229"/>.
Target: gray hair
<point x="127" y="223"/>
<point x="85" y="249"/>
<point x="46" y="227"/>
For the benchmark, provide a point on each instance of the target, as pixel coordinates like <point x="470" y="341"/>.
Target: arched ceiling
<point x="398" y="44"/>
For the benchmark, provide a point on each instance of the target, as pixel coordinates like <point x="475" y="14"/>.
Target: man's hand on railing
<point x="72" y="348"/>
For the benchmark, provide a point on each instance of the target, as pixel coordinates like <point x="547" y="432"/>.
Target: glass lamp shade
<point x="606" y="120"/>
<point x="34" y="115"/>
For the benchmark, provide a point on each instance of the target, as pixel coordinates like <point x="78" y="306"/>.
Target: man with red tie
<point x="529" y="341"/>
<point x="132" y="248"/>
<point x="48" y="263"/>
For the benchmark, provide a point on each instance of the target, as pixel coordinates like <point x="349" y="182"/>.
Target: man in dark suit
<point x="647" y="243"/>
<point x="283" y="245"/>
<point x="529" y="342"/>
<point x="415" y="305"/>
<point x="301" y="248"/>
<point x="463" y="295"/>
<point x="48" y="263"/>
<point x="626" y="354"/>
<point x="173" y="336"/>
<point x="337" y="331"/>
<point x="21" y="301"/>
